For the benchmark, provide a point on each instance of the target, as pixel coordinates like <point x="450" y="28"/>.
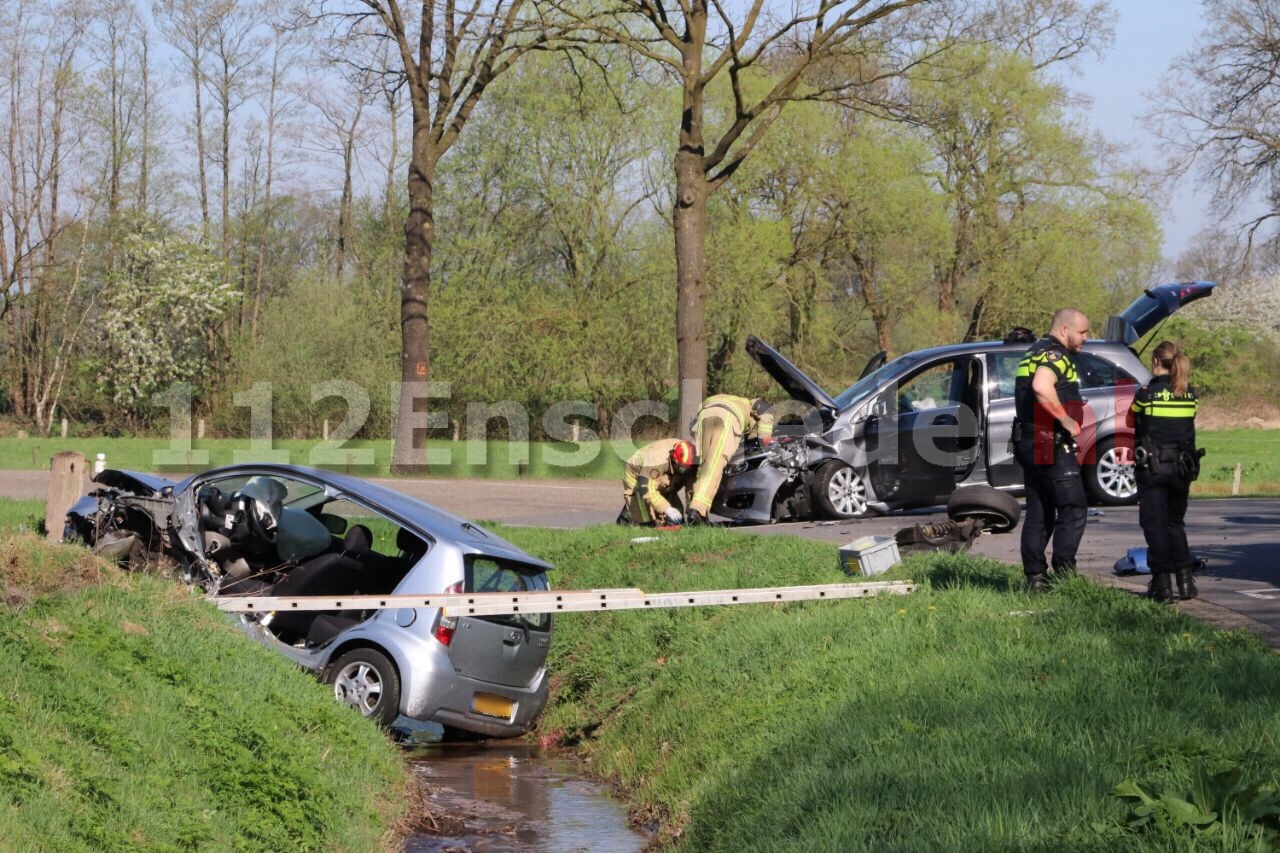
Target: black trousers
<point x="1162" y="508"/>
<point x="1056" y="506"/>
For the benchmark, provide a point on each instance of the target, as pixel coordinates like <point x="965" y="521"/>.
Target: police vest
<point x="1046" y="352"/>
<point x="1163" y="418"/>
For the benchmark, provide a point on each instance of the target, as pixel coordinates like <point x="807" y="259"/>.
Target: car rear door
<point x="508" y="649"/>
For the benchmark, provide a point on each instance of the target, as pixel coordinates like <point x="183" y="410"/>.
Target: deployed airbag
<point x="301" y="535"/>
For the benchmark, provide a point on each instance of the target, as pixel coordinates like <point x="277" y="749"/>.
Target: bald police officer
<point x="1048" y="414"/>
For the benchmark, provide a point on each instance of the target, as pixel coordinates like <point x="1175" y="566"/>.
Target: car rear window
<point x="486" y="574"/>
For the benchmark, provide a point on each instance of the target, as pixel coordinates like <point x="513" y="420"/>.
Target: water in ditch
<point x="501" y="796"/>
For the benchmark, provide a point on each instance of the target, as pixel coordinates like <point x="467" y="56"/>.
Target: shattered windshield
<point x="869" y="383"/>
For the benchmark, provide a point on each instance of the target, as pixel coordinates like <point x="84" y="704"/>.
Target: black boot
<point x="1038" y="584"/>
<point x="1161" y="589"/>
<point x="1186" y="583"/>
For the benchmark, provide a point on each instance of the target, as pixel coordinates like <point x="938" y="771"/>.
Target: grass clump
<point x="966" y="715"/>
<point x="21" y="516"/>
<point x="137" y="717"/>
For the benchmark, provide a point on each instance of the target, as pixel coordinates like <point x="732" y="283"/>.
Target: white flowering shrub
<point x="165" y="301"/>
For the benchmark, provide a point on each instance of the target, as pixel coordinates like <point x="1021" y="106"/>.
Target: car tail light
<point x="446" y="625"/>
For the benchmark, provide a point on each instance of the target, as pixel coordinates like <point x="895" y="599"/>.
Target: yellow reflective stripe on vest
<point x="1031" y="362"/>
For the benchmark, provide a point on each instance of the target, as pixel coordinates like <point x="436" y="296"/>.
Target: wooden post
<point x="64" y="427"/>
<point x="351" y="460"/>
<point x="200" y="430"/>
<point x="1235" y="481"/>
<point x="66" y="486"/>
<point x="325" y="431"/>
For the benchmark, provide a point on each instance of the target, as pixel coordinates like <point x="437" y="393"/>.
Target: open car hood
<point x="1154" y="306"/>
<point x="786" y="374"/>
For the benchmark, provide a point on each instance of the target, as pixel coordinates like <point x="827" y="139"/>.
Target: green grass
<point x="1256" y="451"/>
<point x="965" y="716"/>
<point x="20" y="516"/>
<point x="135" y="717"/>
<point x="493" y="459"/>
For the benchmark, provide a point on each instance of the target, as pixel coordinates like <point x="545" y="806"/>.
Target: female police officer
<point x="1164" y="421"/>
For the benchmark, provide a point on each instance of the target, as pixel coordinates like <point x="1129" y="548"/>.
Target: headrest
<point x="408" y="543"/>
<point x="359" y="540"/>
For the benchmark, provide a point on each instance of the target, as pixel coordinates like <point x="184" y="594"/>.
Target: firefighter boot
<point x="1038" y="584"/>
<point x="1186" y="583"/>
<point x="1161" y="588"/>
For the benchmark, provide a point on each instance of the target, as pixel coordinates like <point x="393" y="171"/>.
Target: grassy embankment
<point x="965" y="716"/>
<point x="135" y="717"/>
<point x="1257" y="451"/>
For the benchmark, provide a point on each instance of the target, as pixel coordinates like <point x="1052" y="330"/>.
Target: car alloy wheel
<point x="840" y="490"/>
<point x="366" y="680"/>
<point x="1111" y="478"/>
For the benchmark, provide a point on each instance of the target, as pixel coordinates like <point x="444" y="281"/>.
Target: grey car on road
<point x="284" y="530"/>
<point x="917" y="430"/>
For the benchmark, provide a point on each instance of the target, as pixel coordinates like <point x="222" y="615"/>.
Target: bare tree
<point x="187" y="26"/>
<point x="1216" y="108"/>
<point x="42" y="298"/>
<point x="766" y="55"/>
<point x="449" y="54"/>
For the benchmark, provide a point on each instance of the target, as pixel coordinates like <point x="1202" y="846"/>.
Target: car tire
<point x="1108" y="480"/>
<point x="838" y="490"/>
<point x="367" y="680"/>
<point x="998" y="511"/>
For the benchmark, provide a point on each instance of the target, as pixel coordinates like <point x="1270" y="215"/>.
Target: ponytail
<point x="1176" y="362"/>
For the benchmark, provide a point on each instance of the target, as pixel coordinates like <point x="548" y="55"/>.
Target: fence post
<point x="1235" y="481"/>
<point x="66" y="485"/>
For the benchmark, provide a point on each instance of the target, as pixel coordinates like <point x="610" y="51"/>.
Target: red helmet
<point x="682" y="456"/>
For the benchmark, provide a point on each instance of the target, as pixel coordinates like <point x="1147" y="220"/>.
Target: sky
<point x="1149" y="35"/>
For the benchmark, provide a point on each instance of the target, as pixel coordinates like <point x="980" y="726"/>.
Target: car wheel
<point x="1110" y="480"/>
<point x="998" y="511"/>
<point x="838" y="490"/>
<point x="367" y="680"/>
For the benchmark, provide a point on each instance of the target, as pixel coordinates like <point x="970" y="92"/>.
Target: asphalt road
<point x="1239" y="538"/>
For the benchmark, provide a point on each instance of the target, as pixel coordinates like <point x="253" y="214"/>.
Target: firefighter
<point x="1163" y="418"/>
<point x="1048" y="412"/>
<point x="652" y="480"/>
<point x="719" y="429"/>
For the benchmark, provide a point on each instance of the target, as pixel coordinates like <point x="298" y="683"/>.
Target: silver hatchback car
<point x="918" y="430"/>
<point x="283" y="530"/>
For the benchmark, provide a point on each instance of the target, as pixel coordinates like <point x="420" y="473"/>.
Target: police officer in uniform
<point x="1048" y="413"/>
<point x="652" y="480"/>
<point x="1163" y="417"/>
<point x="721" y="425"/>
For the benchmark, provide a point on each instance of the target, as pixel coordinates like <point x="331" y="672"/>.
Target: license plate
<point x="492" y="706"/>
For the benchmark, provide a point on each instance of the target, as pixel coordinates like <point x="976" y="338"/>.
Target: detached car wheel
<point x="366" y="679"/>
<point x="838" y="490"/>
<point x="1110" y="480"/>
<point x="999" y="512"/>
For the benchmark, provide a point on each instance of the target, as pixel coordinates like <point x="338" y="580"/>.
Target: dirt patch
<point x="1225" y="414"/>
<point x="31" y="568"/>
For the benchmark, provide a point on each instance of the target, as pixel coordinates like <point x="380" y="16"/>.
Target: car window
<point x="1097" y="372"/>
<point x="935" y="387"/>
<point x="485" y="574"/>
<point x="296" y="490"/>
<point x="1004" y="367"/>
<point x="386" y="537"/>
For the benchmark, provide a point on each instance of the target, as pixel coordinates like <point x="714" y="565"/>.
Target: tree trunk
<point x="408" y="455"/>
<point x="690" y="219"/>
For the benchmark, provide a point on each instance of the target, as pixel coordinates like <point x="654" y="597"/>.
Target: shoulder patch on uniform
<point x="654" y="473"/>
<point x="1052" y="355"/>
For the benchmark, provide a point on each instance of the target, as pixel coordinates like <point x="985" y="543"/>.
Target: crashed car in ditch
<point x="934" y="427"/>
<point x="284" y="530"/>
